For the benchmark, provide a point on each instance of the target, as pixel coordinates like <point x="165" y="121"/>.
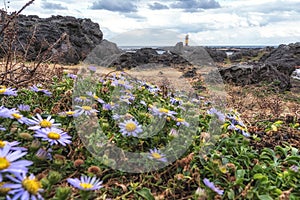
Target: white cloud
<point x="233" y="22"/>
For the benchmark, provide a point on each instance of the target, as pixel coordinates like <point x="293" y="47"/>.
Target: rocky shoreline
<point x="69" y="41"/>
<point x="262" y="65"/>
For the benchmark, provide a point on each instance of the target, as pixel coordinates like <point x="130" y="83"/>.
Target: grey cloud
<point x="53" y="6"/>
<point x="157" y="6"/>
<point x="195" y="5"/>
<point x="115" y="5"/>
<point x="135" y="16"/>
<point x="147" y="37"/>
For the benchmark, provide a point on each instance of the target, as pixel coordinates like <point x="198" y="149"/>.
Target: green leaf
<point x="146" y="194"/>
<point x="259" y="176"/>
<point x="274" y="128"/>
<point x="240" y="173"/>
<point x="278" y="122"/>
<point x="230" y="194"/>
<point x="265" y="197"/>
<point x="295" y="158"/>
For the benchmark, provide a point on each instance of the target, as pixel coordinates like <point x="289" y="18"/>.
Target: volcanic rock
<point x="254" y="74"/>
<point x="104" y="54"/>
<point x="217" y="55"/>
<point x="35" y="36"/>
<point x="143" y="56"/>
<point x="285" y="58"/>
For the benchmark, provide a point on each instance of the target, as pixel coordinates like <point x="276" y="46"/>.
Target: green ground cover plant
<point x="44" y="156"/>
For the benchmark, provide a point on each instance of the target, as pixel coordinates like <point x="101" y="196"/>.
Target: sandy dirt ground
<point x="155" y="75"/>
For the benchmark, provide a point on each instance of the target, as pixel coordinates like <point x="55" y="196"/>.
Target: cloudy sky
<point x="207" y="22"/>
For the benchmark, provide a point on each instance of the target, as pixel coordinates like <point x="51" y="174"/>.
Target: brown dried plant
<point x="15" y="70"/>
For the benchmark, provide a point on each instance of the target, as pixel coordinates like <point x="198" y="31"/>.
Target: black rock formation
<point x="128" y="60"/>
<point x="35" y="35"/>
<point x="285" y="58"/>
<point x="274" y="67"/>
<point x="217" y="55"/>
<point x="255" y="74"/>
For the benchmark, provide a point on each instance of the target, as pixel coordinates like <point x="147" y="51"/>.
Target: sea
<point x="214" y="46"/>
<point x="227" y="48"/>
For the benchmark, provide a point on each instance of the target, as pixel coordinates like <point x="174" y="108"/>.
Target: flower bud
<point x="25" y="136"/>
<point x="54" y="177"/>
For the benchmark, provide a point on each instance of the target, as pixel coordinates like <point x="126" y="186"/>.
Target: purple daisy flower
<point x="13" y="145"/>
<point x="122" y="82"/>
<point x="69" y="113"/>
<point x="87" y="110"/>
<point x="92" y="68"/>
<point x="9" y="161"/>
<point x="220" y="115"/>
<point x="72" y="76"/>
<point x="95" y="97"/>
<point x="294" y="168"/>
<point x="130" y="128"/>
<point x="53" y="136"/>
<point x="8" y="91"/>
<point x="15" y="114"/>
<point x="162" y="112"/>
<point x="82" y="99"/>
<point x="157" y="155"/>
<point x="180" y="121"/>
<point x="36" y="89"/>
<point x="39" y="122"/>
<point x="212" y="186"/>
<point x="5" y="112"/>
<point x="24" y="187"/>
<point x="2" y="128"/>
<point x="43" y="154"/>
<point x="85" y="183"/>
<point x="23" y="107"/>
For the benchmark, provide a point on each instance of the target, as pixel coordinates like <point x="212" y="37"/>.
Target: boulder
<point x="217" y="55"/>
<point x="178" y="49"/>
<point x="143" y="56"/>
<point x="285" y="58"/>
<point x="274" y="67"/>
<point x="195" y="55"/>
<point x="244" y="54"/>
<point x="103" y="54"/>
<point x="35" y="35"/>
<point x="254" y="74"/>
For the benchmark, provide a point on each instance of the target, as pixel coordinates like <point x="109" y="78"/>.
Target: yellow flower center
<point x="156" y="155"/>
<point x="180" y="120"/>
<point x="87" y="108"/>
<point x="121" y="82"/>
<point x="95" y="97"/>
<point x="70" y="112"/>
<point x="2" y="87"/>
<point x="4" y="163"/>
<point x="130" y="126"/>
<point x="16" y="115"/>
<point x="31" y="185"/>
<point x="82" y="97"/>
<point x="3" y="190"/>
<point x="53" y="136"/>
<point x="86" y="185"/>
<point x="2" y="144"/>
<point x="239" y="127"/>
<point x="45" y="123"/>
<point x="163" y="110"/>
<point x="2" y="90"/>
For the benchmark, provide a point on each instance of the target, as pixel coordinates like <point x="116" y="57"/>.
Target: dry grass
<point x="159" y="75"/>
